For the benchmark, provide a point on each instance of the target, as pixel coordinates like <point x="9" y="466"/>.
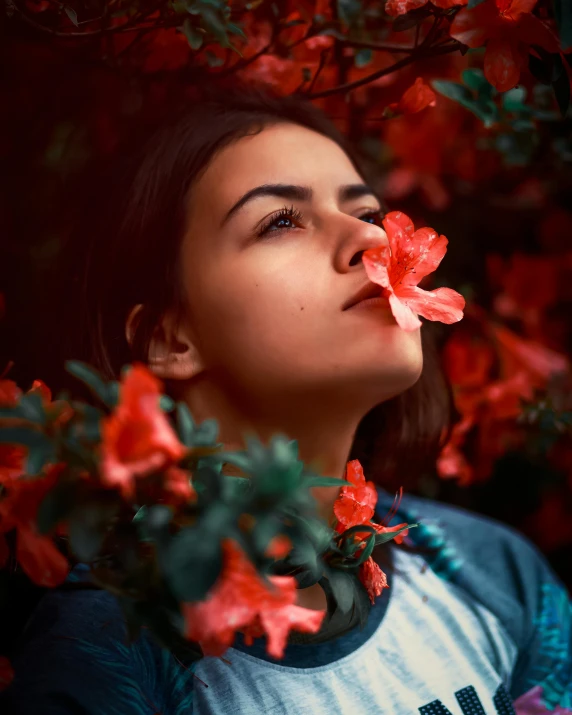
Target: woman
<point x="228" y="263"/>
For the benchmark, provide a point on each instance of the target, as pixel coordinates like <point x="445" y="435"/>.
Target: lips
<point x="370" y="290"/>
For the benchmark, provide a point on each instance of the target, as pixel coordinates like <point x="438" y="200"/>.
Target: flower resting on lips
<point x="398" y="269"/>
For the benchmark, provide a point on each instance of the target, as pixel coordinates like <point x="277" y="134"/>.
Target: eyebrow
<point x="299" y="193"/>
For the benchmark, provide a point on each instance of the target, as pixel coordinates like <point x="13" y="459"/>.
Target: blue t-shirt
<point x="482" y="627"/>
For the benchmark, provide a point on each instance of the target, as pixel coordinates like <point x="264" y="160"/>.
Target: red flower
<point x="10" y="393"/>
<point x="240" y="601"/>
<point x="508" y="28"/>
<point x="373" y="578"/>
<point x="417" y="97"/>
<point x="400" y="7"/>
<point x="137" y="438"/>
<point x="356" y="505"/>
<point x="36" y="553"/>
<point x="411" y="256"/>
<point x="6" y="672"/>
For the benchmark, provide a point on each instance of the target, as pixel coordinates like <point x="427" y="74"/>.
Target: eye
<point x="376" y="217"/>
<point x="284" y="219"/>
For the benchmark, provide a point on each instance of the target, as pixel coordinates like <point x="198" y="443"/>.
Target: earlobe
<point x="172" y="355"/>
<point x="175" y="365"/>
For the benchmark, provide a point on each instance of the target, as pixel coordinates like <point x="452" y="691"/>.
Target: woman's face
<point x="265" y="287"/>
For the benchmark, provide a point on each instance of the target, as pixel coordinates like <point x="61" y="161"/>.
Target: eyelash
<point x="296" y="215"/>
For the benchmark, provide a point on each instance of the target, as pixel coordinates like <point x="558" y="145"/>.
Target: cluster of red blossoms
<point x="507" y="28"/>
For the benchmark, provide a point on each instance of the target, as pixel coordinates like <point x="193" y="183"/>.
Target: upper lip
<point x="370" y="290"/>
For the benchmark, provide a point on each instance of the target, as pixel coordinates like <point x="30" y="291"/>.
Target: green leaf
<point x="361" y="602"/>
<point x="324" y="482"/>
<point x="484" y="109"/>
<point x="192" y="564"/>
<point x="56" y="506"/>
<point x="213" y="23"/>
<point x="72" y="14"/>
<point x="185" y="424"/>
<point x="474" y="3"/>
<point x="390" y="535"/>
<point x="108" y="393"/>
<point x="237" y="29"/>
<point x="562" y="91"/>
<point x="453" y="90"/>
<point x="342" y="588"/>
<point x="194" y="36"/>
<point x="363" y="57"/>
<point x="29" y="407"/>
<point x="366" y="553"/>
<point x="349" y="11"/>
<point x="87" y="527"/>
<point x="40" y="448"/>
<point x="513" y="100"/>
<point x="563" y="16"/>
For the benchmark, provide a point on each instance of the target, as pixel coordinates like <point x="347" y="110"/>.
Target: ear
<point x="172" y="354"/>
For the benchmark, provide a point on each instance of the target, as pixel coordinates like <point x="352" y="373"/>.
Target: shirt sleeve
<point x="542" y="679"/>
<point x="73" y="658"/>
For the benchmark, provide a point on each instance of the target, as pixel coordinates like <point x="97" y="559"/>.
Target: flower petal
<point x="502" y="64"/>
<point x="417" y="97"/>
<point x="473" y="27"/>
<point x="442" y="304"/>
<point x="40" y="558"/>
<point x="405" y="317"/>
<point x="414" y="254"/>
<point x="448" y="4"/>
<point x="401" y="7"/>
<point x="373" y="578"/>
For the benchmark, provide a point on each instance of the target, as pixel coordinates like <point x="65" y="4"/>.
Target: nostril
<point x="357" y="258"/>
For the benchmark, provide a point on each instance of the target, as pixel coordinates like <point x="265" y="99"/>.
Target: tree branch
<point x="349" y="86"/>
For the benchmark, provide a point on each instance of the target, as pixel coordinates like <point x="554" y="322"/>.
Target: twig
<point x="349" y="86"/>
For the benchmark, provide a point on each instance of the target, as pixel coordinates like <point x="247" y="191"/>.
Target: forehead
<point x="281" y="153"/>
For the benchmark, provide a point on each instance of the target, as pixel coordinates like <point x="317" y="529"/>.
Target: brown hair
<point x="132" y="253"/>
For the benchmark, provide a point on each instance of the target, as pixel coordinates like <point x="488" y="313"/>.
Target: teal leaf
<point x="193" y="35"/>
<point x="72" y="14"/>
<point x="108" y="393"/>
<point x="563" y="16"/>
<point x="56" y="506"/>
<point x="310" y="482"/>
<point x="342" y="589"/>
<point x="192" y="564"/>
<point x="363" y="57"/>
<point x="87" y="528"/>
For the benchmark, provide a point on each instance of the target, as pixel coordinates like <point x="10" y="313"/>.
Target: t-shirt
<point x="480" y="627"/>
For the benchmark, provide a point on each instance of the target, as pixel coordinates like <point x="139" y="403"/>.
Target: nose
<point x="361" y="236"/>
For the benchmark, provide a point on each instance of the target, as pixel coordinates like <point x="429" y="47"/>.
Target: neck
<point x="324" y="431"/>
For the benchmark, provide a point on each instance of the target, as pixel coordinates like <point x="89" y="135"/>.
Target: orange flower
<point x="240" y="601"/>
<point x="137" y="438"/>
<point x="36" y="553"/>
<point x="417" y="97"/>
<point x="411" y="256"/>
<point x="401" y="7"/>
<point x="508" y="28"/>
